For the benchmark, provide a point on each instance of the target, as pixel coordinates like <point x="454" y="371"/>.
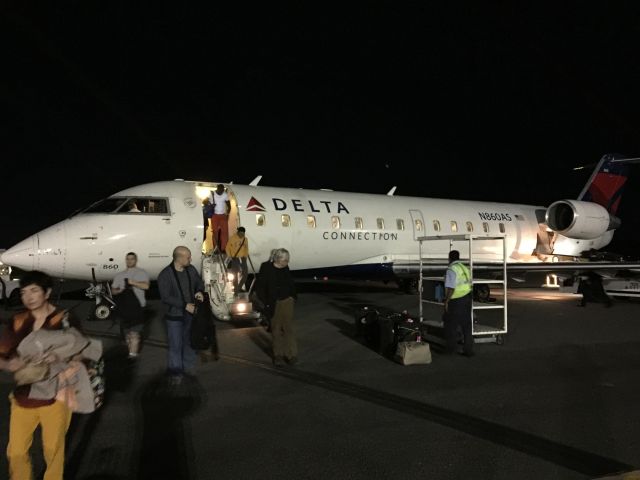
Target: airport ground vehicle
<point x="9" y="285"/>
<point x="622" y="287"/>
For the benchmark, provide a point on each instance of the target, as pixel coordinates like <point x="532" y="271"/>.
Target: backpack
<point x="128" y="308"/>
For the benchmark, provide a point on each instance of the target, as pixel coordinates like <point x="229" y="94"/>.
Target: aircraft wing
<point x="565" y="266"/>
<point x="523" y="267"/>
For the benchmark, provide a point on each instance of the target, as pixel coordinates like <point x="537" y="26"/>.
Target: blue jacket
<point x="170" y="290"/>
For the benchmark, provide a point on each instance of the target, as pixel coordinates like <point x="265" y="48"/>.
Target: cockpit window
<point x="108" y="205"/>
<point x="130" y="205"/>
<point x="145" y="205"/>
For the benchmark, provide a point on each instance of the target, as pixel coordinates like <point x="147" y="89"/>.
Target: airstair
<point x="226" y="304"/>
<point x="491" y="324"/>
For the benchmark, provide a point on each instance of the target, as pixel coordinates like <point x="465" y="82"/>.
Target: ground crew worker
<point x="457" y="305"/>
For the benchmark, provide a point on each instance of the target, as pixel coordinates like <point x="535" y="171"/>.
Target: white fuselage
<point x="320" y="228"/>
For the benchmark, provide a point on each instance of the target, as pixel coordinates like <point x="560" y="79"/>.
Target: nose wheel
<point x="104" y="300"/>
<point x="102" y="312"/>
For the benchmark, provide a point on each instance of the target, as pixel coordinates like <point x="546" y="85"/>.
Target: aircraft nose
<point x="22" y="254"/>
<point x="45" y="251"/>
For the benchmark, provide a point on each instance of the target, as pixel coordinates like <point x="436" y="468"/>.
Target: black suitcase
<point x="365" y="320"/>
<point x="382" y="333"/>
<point x="203" y="329"/>
<point x="386" y="336"/>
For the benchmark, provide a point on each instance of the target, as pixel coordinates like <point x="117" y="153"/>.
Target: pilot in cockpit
<point x="132" y="207"/>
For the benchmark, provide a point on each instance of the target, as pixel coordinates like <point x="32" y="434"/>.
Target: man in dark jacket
<point x="180" y="284"/>
<point x="277" y="291"/>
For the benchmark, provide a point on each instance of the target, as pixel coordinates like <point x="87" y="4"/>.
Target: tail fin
<point x="606" y="184"/>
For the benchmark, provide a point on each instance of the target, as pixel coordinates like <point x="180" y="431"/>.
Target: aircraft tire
<point x="409" y="286"/>
<point x="102" y="312"/>
<point x="481" y="292"/>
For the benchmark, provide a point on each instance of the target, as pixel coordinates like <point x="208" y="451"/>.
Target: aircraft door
<point x="234" y="214"/>
<point x="417" y="221"/>
<point x="546" y="236"/>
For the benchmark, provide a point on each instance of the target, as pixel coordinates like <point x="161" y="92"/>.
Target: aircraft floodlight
<point x="241" y="307"/>
<point x="203" y="192"/>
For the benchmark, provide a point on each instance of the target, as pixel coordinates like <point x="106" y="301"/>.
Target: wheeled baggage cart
<point x="489" y="317"/>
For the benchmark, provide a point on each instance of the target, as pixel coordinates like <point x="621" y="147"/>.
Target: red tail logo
<point x="606" y="190"/>
<point x="255" y="206"/>
<point x="607" y="183"/>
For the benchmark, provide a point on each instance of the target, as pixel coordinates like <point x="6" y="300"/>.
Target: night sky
<point x="101" y="96"/>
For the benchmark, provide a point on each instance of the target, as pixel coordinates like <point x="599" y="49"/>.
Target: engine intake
<point x="581" y="220"/>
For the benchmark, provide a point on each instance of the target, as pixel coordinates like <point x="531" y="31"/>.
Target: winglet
<point x="392" y="191"/>
<point x="255" y="181"/>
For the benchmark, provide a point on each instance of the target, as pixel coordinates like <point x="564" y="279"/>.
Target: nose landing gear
<point x="104" y="299"/>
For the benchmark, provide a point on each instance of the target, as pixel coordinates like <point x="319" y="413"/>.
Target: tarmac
<point x="558" y="400"/>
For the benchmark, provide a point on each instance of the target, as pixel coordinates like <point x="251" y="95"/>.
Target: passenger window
<point x="311" y="221"/>
<point x="485" y="227"/>
<point x="359" y="223"/>
<point x="469" y="227"/>
<point x="436" y="225"/>
<point x="286" y="220"/>
<point x="260" y="219"/>
<point x="454" y="226"/>
<point x="501" y="225"/>
<point x="380" y="223"/>
<point x="418" y="224"/>
<point x="335" y="222"/>
<point x="400" y="224"/>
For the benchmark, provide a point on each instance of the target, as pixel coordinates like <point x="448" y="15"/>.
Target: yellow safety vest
<point x="463" y="279"/>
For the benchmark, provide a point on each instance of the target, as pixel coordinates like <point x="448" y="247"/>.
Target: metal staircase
<point x="225" y="303"/>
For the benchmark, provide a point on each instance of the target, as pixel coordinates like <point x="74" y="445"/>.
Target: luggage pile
<point x="395" y="336"/>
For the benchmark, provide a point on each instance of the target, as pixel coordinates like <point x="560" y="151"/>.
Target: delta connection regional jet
<point x="338" y="233"/>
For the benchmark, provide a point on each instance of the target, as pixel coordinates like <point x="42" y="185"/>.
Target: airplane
<point x="327" y="231"/>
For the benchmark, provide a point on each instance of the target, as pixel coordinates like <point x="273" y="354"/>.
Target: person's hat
<point x="241" y="229"/>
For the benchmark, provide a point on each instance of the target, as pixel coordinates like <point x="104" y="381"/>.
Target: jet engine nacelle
<point x="581" y="220"/>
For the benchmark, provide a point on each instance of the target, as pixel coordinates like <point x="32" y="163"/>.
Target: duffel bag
<point x="413" y="353"/>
